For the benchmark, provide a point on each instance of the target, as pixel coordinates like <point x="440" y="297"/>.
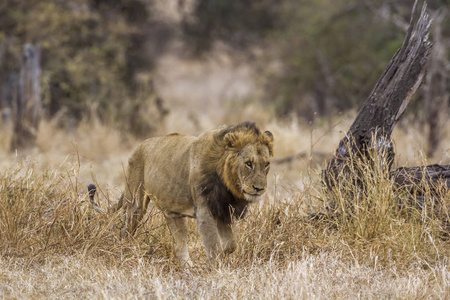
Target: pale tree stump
<point x="27" y="109"/>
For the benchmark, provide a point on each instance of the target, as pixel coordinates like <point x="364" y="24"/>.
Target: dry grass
<point x="53" y="245"/>
<point x="326" y="275"/>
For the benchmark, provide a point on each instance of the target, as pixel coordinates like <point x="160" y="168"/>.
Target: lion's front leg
<point x="227" y="237"/>
<point x="207" y="226"/>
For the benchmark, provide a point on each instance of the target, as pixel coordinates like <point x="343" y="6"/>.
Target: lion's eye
<point x="249" y="164"/>
<point x="267" y="165"/>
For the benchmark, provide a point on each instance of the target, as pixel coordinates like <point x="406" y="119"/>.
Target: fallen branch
<point x="415" y="178"/>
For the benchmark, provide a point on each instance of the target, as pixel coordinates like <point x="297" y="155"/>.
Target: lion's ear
<point x="269" y="135"/>
<point x="268" y="139"/>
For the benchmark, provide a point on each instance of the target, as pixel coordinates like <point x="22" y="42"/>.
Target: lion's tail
<point x="91" y="192"/>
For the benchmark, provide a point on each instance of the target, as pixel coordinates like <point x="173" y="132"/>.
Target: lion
<point x="212" y="177"/>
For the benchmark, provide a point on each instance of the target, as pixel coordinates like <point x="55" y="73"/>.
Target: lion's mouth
<point x="252" y="197"/>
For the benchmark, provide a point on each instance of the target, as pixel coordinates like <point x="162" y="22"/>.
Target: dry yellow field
<point x="53" y="245"/>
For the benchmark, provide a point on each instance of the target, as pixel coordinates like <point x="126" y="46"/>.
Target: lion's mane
<point x="219" y="177"/>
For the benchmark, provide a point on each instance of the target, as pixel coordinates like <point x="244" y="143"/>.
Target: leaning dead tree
<point x="386" y="104"/>
<point x="27" y="109"/>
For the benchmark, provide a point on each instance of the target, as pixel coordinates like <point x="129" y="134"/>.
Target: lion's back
<point x="165" y="163"/>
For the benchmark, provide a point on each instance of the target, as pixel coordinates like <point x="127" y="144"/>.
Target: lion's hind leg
<point x="134" y="212"/>
<point x="134" y="199"/>
<point x="178" y="228"/>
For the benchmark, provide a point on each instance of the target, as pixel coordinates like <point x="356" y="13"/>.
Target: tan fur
<point x="212" y="177"/>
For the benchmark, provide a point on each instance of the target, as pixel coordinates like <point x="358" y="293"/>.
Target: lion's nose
<point x="257" y="189"/>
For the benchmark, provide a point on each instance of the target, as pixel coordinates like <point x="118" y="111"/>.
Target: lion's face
<point x="254" y="165"/>
<point x="247" y="166"/>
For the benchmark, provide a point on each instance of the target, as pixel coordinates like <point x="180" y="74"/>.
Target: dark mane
<point x="250" y="126"/>
<point x="221" y="202"/>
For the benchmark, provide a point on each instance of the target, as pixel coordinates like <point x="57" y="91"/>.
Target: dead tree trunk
<point x="27" y="107"/>
<point x="384" y="107"/>
<point x="387" y="101"/>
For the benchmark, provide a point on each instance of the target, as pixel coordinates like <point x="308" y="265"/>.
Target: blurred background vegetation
<point x="310" y="58"/>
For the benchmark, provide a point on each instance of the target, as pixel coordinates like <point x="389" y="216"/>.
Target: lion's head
<point x="246" y="161"/>
<point x="236" y="169"/>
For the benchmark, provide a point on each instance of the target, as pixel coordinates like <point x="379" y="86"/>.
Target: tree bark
<point x="387" y="102"/>
<point x="28" y="107"/>
<point x="417" y="180"/>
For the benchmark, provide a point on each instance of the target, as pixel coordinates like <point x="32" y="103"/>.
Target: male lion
<point x="212" y="177"/>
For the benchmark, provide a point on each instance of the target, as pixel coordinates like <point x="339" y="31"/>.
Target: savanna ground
<point x="53" y="245"/>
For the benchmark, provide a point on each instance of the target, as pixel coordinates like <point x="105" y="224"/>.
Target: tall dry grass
<point x="53" y="245"/>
